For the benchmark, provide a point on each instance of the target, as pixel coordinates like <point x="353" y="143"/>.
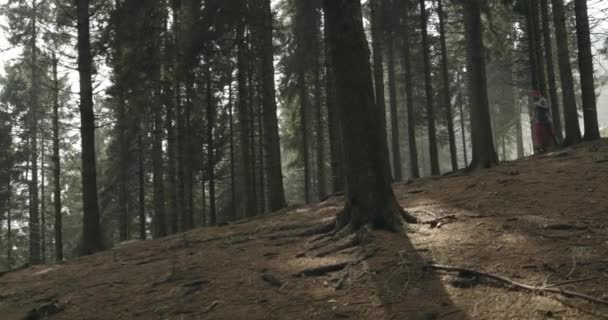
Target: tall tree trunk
<point x="274" y="172"/>
<point x="333" y="124"/>
<point x="463" y="130"/>
<point x="141" y="174"/>
<point x="446" y="96"/>
<point x="173" y="138"/>
<point x="189" y="149"/>
<point x="573" y="131"/>
<point x="538" y="46"/>
<point x="56" y="166"/>
<point x="533" y="64"/>
<point x="369" y="197"/>
<point x="34" y="219"/>
<point x="42" y="203"/>
<point x="378" y="61"/>
<point x="519" y="133"/>
<point x="91" y="229"/>
<point x="484" y="154"/>
<point x="585" y="61"/>
<point x="304" y="106"/>
<point x="233" y="209"/>
<point x="552" y="82"/>
<point x="261" y="134"/>
<point x="392" y="89"/>
<point x="159" y="223"/>
<point x="253" y="90"/>
<point x="244" y="121"/>
<point x="318" y="88"/>
<point x="211" y="110"/>
<point x="409" y="93"/>
<point x="428" y="85"/>
<point x="302" y="33"/>
<point x="9" y="225"/>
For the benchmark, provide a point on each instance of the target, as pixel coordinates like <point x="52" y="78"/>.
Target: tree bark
<point x="392" y="89"/>
<point x="318" y="88"/>
<point x="211" y="115"/>
<point x="585" y="61"/>
<point x="369" y="197"/>
<point x="91" y="229"/>
<point x="551" y="79"/>
<point x="56" y="166"/>
<point x="333" y="124"/>
<point x="428" y="86"/>
<point x="34" y="219"/>
<point x="159" y="222"/>
<point x="232" y="213"/>
<point x="378" y="61"/>
<point x="573" y="131"/>
<point x="141" y="182"/>
<point x="446" y="96"/>
<point x="274" y="172"/>
<point x="244" y="121"/>
<point x="484" y="154"/>
<point x="409" y="92"/>
<point x="302" y="46"/>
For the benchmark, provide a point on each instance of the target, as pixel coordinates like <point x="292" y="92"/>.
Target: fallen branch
<point x="518" y="285"/>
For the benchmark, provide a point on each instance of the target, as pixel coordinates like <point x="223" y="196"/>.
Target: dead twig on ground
<point x="563" y="283"/>
<point x="518" y="285"/>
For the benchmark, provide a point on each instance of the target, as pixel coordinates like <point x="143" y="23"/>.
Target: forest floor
<point x="541" y="221"/>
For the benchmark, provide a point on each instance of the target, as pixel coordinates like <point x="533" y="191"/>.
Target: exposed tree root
<point x="408" y="217"/>
<point x="518" y="285"/>
<point x="322" y="270"/>
<point x="354" y="239"/>
<point x="312" y="231"/>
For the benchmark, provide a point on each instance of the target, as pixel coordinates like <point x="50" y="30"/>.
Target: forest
<point x="303" y="159"/>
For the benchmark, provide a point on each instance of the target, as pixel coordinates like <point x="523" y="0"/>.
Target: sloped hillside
<point x="541" y="221"/>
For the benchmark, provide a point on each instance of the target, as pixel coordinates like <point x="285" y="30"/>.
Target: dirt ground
<point x="542" y="221"/>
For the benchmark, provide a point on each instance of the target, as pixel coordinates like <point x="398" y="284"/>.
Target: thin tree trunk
<point x="173" y="131"/>
<point x="552" y="82"/>
<point x="304" y="124"/>
<point x="9" y="225"/>
<point x="463" y="130"/>
<point x="585" y="61"/>
<point x="159" y="222"/>
<point x="446" y="96"/>
<point x="34" y="219"/>
<point x="573" y="131"/>
<point x="211" y="110"/>
<point x="42" y="203"/>
<point x="428" y="85"/>
<point x="141" y="189"/>
<point x="56" y="166"/>
<point x="233" y="208"/>
<point x="91" y="232"/>
<point x="321" y="172"/>
<point x="409" y="92"/>
<point x="538" y="46"/>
